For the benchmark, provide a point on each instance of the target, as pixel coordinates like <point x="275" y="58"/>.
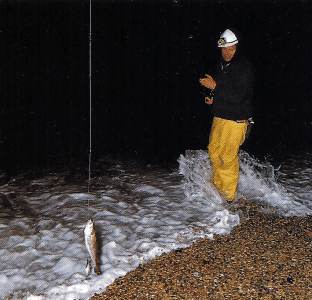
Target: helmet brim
<point x="225" y="45"/>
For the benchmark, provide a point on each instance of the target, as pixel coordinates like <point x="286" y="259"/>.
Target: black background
<point x="147" y="58"/>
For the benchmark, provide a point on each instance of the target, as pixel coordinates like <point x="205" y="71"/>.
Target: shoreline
<point x="266" y="257"/>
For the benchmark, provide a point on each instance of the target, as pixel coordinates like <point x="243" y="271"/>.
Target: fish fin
<point x="88" y="267"/>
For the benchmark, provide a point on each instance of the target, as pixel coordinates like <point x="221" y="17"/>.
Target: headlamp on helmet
<point x="227" y="39"/>
<point x="221" y="42"/>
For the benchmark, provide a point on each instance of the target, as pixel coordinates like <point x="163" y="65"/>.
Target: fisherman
<point x="230" y="93"/>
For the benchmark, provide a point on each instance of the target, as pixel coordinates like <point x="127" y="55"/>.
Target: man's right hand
<point x="208" y="82"/>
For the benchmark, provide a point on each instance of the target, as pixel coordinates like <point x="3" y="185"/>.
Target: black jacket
<point x="234" y="89"/>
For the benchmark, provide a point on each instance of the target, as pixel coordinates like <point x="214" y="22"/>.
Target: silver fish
<point x="92" y="246"/>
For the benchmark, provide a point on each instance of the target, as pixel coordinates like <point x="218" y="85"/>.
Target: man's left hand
<point x="208" y="100"/>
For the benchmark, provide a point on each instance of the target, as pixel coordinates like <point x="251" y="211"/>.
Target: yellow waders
<point x="226" y="136"/>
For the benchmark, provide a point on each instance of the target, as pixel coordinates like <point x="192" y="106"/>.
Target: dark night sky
<point x="147" y="57"/>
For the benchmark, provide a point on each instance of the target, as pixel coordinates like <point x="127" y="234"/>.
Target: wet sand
<point x="266" y="257"/>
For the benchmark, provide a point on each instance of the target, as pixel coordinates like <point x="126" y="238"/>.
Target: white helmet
<point x="227" y="39"/>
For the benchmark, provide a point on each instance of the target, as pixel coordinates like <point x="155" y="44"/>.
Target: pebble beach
<point x="266" y="257"/>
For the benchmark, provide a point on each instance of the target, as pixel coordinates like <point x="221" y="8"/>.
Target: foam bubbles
<point x="138" y="215"/>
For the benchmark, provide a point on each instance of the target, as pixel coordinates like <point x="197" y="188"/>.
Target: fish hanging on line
<point x="92" y="247"/>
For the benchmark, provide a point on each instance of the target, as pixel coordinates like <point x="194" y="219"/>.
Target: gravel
<point x="266" y="257"/>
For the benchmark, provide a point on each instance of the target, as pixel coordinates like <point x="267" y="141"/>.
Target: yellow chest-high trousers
<point x="226" y="136"/>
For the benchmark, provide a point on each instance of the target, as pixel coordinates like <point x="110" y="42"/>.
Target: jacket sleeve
<point x="236" y="84"/>
<point x="208" y="93"/>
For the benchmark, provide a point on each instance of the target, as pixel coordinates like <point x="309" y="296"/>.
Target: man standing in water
<point x="230" y="98"/>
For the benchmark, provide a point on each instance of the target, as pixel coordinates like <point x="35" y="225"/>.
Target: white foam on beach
<point x="138" y="215"/>
<point x="257" y="182"/>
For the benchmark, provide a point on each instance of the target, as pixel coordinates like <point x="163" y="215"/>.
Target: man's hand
<point x="208" y="82"/>
<point x="208" y="100"/>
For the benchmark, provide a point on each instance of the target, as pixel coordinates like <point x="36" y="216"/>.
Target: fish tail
<point x="97" y="269"/>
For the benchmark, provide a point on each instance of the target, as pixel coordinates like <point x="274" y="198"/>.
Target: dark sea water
<point x="140" y="211"/>
<point x="151" y="185"/>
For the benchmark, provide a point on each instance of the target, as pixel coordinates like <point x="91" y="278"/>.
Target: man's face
<point x="228" y="52"/>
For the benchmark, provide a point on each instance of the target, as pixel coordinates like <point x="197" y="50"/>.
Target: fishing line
<point x="90" y="104"/>
<point x="90" y="234"/>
